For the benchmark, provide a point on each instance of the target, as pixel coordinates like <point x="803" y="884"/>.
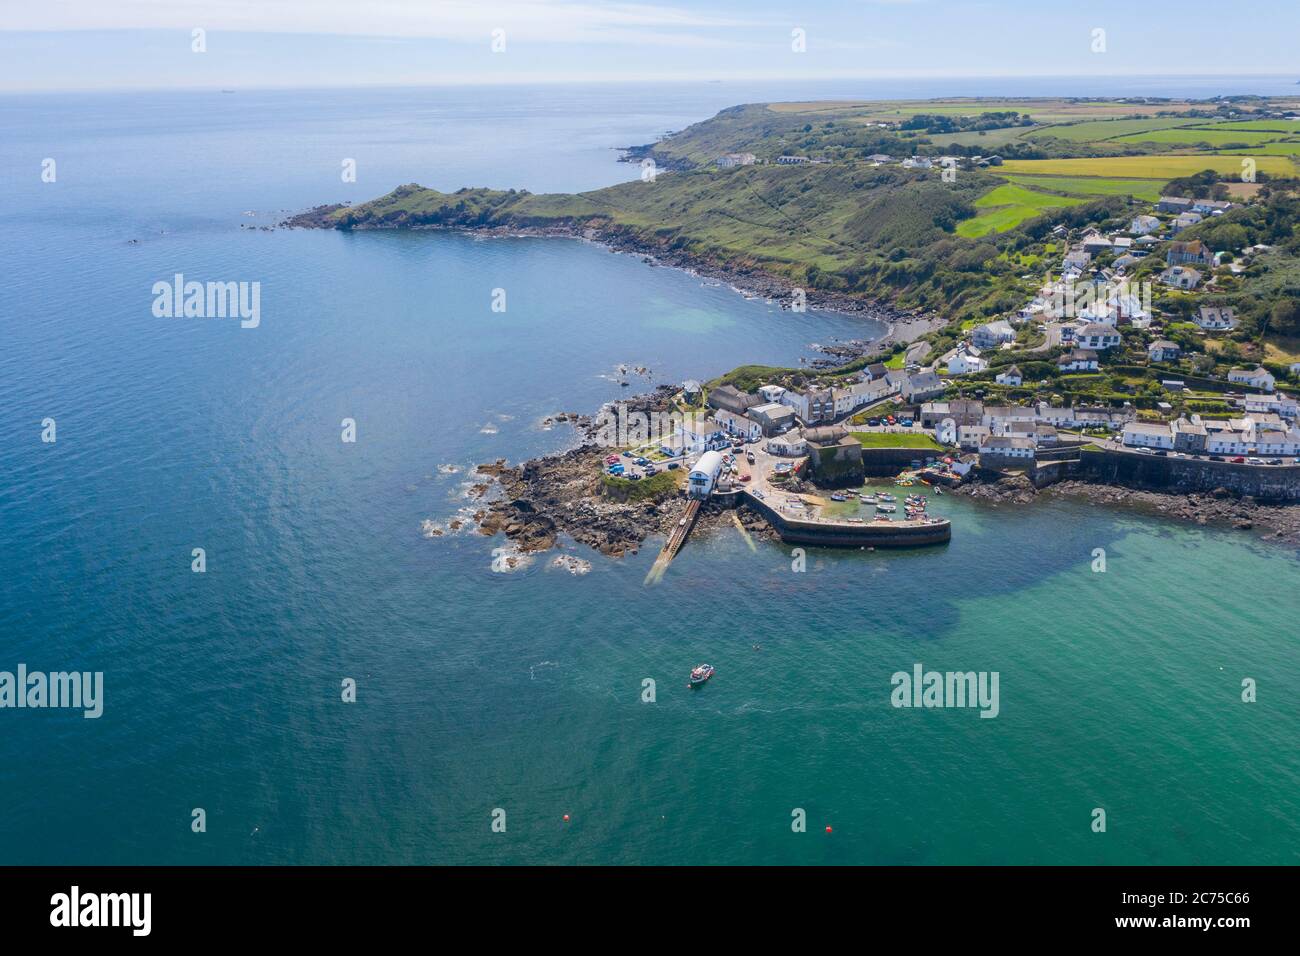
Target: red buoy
<point x="828" y="829"/>
<point x="566" y="818"/>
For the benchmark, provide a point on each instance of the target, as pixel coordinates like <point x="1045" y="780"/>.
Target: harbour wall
<point x="892" y="535"/>
<point x="1166" y="473"/>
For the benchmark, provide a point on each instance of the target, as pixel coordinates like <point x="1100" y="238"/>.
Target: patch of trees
<point x="929" y="123"/>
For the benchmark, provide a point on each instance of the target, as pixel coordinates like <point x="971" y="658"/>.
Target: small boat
<point x="887" y="498"/>
<point x="700" y="674"/>
<point x="880" y="518"/>
<point x="887" y="509"/>
<point x="839" y="497"/>
<point x="867" y="499"/>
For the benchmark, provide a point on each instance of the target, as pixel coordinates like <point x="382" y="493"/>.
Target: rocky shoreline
<point x="749" y="280"/>
<point x="561" y="494"/>
<point x="1219" y="508"/>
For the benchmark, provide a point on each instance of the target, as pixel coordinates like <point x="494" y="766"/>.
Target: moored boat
<point x="700" y="674"/>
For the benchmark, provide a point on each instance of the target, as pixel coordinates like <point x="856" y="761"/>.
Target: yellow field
<point x="1146" y="167"/>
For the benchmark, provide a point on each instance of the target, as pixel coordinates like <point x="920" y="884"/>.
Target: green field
<point x="1163" y="168"/>
<point x="1007" y="207"/>
<point x="988" y="139"/>
<point x="896" y="440"/>
<point x="1195" y="135"/>
<point x="1267" y="149"/>
<point x="1264" y="126"/>
<point x="1110" y="129"/>
<point x="1147" y="189"/>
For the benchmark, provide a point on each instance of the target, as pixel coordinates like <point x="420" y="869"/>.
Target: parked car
<point x="673" y="466"/>
<point x="641" y="461"/>
<point x="744" y="477"/>
<point x="1239" y="460"/>
<point x="627" y="454"/>
<point x="1256" y="461"/>
<point x="651" y="470"/>
<point x="1275" y="461"/>
<point x="634" y="477"/>
<point x="758" y="493"/>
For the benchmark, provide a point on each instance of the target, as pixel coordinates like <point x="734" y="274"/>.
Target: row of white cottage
<point x="1254" y="434"/>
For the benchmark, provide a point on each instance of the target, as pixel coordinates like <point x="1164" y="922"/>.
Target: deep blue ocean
<point x="479" y="690"/>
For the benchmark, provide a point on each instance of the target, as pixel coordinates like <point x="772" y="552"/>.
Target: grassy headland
<point x="969" y="250"/>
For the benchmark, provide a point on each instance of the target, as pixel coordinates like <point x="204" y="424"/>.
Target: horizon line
<point x="604" y="79"/>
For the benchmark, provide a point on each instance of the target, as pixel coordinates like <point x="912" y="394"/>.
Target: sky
<point x="148" y="44"/>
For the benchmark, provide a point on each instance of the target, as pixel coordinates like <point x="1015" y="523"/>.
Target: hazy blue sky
<point x="79" y="44"/>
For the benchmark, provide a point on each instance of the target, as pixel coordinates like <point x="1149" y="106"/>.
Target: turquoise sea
<point x="523" y="691"/>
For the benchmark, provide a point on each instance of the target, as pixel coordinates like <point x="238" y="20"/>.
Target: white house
<point x="993" y="334"/>
<point x="1095" y="242"/>
<point x="1228" y="441"/>
<point x="1181" y="277"/>
<point x="970" y="437"/>
<point x="771" y="393"/>
<point x="796" y="400"/>
<point x="789" y="445"/>
<point x="1011" y="376"/>
<point x="1000" y="419"/>
<point x="1144" y="225"/>
<point x="1096" y="335"/>
<point x="1277" y="441"/>
<point x="1148" y="435"/>
<point x="1162" y="350"/>
<point x="1080" y="360"/>
<point x="999" y="446"/>
<point x="1076" y="261"/>
<point x="965" y="361"/>
<point x="739" y="425"/>
<point x="1213" y="318"/>
<point x="920" y="387"/>
<point x="1256" y="377"/>
<point x="1284" y="406"/>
